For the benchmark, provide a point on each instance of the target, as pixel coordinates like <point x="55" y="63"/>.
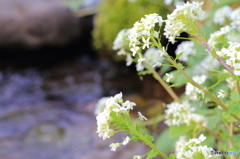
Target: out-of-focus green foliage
<point x="115" y="15"/>
<point x="74" y="5"/>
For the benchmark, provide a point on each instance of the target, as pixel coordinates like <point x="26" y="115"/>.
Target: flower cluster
<point x="178" y="114"/>
<point x="183" y="19"/>
<point x="186" y="47"/>
<point x="231" y="84"/>
<point x="232" y="56"/>
<point x="193" y="92"/>
<point x="121" y="42"/>
<point x="219" y="38"/>
<point x="235" y="17"/>
<point x="114" y="107"/>
<point x="222" y="14"/>
<point x="140" y="33"/>
<point x="194" y="149"/>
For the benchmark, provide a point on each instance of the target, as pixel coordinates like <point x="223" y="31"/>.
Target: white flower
<point x="126" y="140"/>
<point x="128" y="105"/>
<point x="137" y="157"/>
<point x="178" y="114"/>
<point x="134" y="50"/>
<point x="139" y="67"/>
<point x="169" y="76"/>
<point x="221" y="94"/>
<point x="186" y="47"/>
<point x="221" y="14"/>
<point x="114" y="146"/>
<point x="141" y="117"/>
<point x="129" y="60"/>
<point x="182" y="20"/>
<point x="146" y="42"/>
<point x="237" y="68"/>
<point x="100" y="105"/>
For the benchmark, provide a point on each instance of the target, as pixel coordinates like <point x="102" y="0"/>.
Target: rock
<point x="32" y="24"/>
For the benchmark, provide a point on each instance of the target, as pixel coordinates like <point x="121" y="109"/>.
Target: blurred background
<point x="56" y="61"/>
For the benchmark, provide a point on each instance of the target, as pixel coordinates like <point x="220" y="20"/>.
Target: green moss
<point x="115" y="15"/>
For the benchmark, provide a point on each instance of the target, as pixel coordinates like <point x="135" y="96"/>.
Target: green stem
<point x="147" y="142"/>
<point x="164" y="84"/>
<point x="201" y="88"/>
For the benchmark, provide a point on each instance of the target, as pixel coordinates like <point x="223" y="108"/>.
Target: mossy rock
<point x="115" y="15"/>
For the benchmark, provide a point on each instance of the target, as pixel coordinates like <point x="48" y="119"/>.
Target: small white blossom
<point x="221" y="14"/>
<point x="134" y="50"/>
<point x="182" y="20"/>
<point x="221" y="94"/>
<point x="237" y="69"/>
<point x="114" y="146"/>
<point x="139" y="67"/>
<point x="126" y="140"/>
<point x="141" y="117"/>
<point x="186" y="47"/>
<point x="137" y="157"/>
<point x="129" y="60"/>
<point x="146" y="42"/>
<point x="169" y="77"/>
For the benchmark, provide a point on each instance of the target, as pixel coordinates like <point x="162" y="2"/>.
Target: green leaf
<point x="149" y="138"/>
<point x="234" y="108"/>
<point x="164" y="142"/>
<point x="220" y="79"/>
<point x="144" y="72"/>
<point x="235" y="96"/>
<point x="176" y="131"/>
<point x="181" y="66"/>
<point x="222" y="135"/>
<point x="152" y="154"/>
<point x="172" y="156"/>
<point x="178" y="84"/>
<point x="214" y="54"/>
<point x="178" y="56"/>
